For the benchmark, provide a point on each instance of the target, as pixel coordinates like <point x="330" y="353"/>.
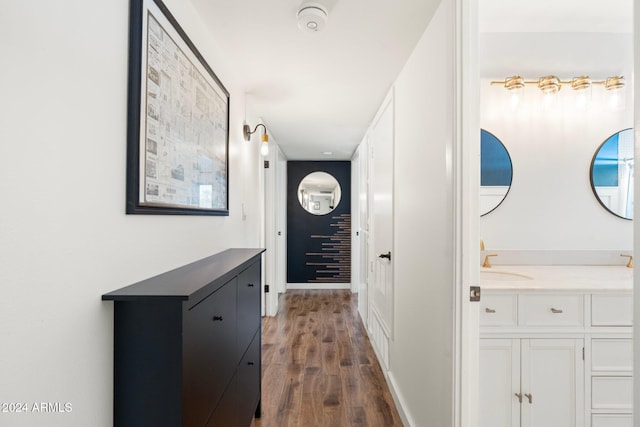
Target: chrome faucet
<point x="630" y="263"/>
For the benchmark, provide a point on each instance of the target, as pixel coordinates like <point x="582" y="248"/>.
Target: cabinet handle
<point x="519" y="396"/>
<point x="217" y="318"/>
<point x="489" y="310"/>
<point x="251" y="285"/>
<point x="555" y="310"/>
<point x="250" y="363"/>
<point x="530" y="397"/>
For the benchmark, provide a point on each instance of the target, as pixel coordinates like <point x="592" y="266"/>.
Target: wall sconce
<point x="551" y="85"/>
<point x="582" y="89"/>
<point x="615" y="87"/>
<point x="515" y="86"/>
<point x="247" y="132"/>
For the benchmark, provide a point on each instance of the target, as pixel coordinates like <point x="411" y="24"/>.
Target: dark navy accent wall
<point x="318" y="246"/>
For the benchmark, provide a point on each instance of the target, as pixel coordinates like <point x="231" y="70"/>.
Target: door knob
<point x="387" y="255"/>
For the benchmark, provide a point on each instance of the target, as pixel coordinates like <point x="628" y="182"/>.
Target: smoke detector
<point x="312" y="17"/>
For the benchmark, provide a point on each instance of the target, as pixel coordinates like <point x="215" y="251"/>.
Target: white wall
<point x="421" y="352"/>
<point x="551" y="206"/>
<point x="64" y="237"/>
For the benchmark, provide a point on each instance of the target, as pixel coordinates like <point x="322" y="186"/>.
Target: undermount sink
<point x="508" y="276"/>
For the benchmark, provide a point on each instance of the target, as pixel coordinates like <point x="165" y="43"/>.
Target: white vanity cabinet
<point x="611" y="360"/>
<point x="530" y="382"/>
<point x="555" y="358"/>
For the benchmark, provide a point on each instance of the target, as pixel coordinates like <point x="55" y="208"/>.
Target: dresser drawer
<point x="612" y="420"/>
<point x="611" y="310"/>
<point x="612" y="393"/>
<point x="611" y="354"/>
<point x="551" y="310"/>
<point x="499" y="310"/>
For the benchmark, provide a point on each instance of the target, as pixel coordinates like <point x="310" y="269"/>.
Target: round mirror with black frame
<point x="496" y="172"/>
<point x="319" y="193"/>
<point x="611" y="174"/>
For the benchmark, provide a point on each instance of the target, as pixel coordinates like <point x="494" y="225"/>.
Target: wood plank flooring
<point x="318" y="367"/>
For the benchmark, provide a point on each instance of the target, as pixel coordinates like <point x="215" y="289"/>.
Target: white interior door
<point x="363" y="230"/>
<point x="381" y="234"/>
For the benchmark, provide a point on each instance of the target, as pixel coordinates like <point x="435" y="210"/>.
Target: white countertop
<point x="557" y="277"/>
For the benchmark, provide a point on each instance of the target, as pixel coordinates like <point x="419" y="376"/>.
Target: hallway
<point x="319" y="368"/>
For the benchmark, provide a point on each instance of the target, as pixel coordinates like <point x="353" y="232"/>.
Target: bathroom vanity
<point x="556" y="346"/>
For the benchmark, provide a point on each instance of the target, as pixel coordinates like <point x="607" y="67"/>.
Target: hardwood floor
<point x="318" y="367"/>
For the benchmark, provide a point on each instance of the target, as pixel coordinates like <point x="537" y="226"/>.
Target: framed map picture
<point x="178" y="121"/>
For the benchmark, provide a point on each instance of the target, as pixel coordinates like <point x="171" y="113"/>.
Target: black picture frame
<point x="178" y="121"/>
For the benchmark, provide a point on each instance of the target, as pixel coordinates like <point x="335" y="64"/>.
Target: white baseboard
<point x="319" y="286"/>
<point x="399" y="401"/>
<point x="407" y="421"/>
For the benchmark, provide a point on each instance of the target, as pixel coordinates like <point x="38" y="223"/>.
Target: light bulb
<point x="264" y="145"/>
<point x="617" y="99"/>
<point x="548" y="98"/>
<point x="582" y="91"/>
<point x="516" y="96"/>
<point x="264" y="148"/>
<point x="582" y="98"/>
<point x="515" y="86"/>
<point x="615" y="88"/>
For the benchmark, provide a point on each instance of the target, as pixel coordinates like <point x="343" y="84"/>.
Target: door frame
<point x="636" y="214"/>
<point x="275" y="228"/>
<point x="466" y="182"/>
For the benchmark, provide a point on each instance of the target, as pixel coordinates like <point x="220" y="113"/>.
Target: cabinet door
<point x="226" y="414"/>
<point x="249" y="382"/>
<point x="209" y="358"/>
<point x="248" y="307"/>
<point x="499" y="382"/>
<point x="552" y="375"/>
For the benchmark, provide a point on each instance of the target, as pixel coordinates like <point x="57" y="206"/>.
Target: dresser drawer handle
<point x="555" y="311"/>
<point x="250" y="363"/>
<point x="251" y="285"/>
<point x="489" y="310"/>
<point x="217" y="318"/>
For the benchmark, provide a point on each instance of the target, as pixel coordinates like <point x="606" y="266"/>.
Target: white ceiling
<point x="318" y="92"/>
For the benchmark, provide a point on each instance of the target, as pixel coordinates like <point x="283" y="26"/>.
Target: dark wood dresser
<point x="187" y="344"/>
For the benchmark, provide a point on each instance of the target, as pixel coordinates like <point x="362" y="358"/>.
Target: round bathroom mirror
<point x="496" y="172"/>
<point x="319" y="193"/>
<point x="611" y="174"/>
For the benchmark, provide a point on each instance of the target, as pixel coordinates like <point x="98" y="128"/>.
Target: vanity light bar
<point x="552" y="84"/>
